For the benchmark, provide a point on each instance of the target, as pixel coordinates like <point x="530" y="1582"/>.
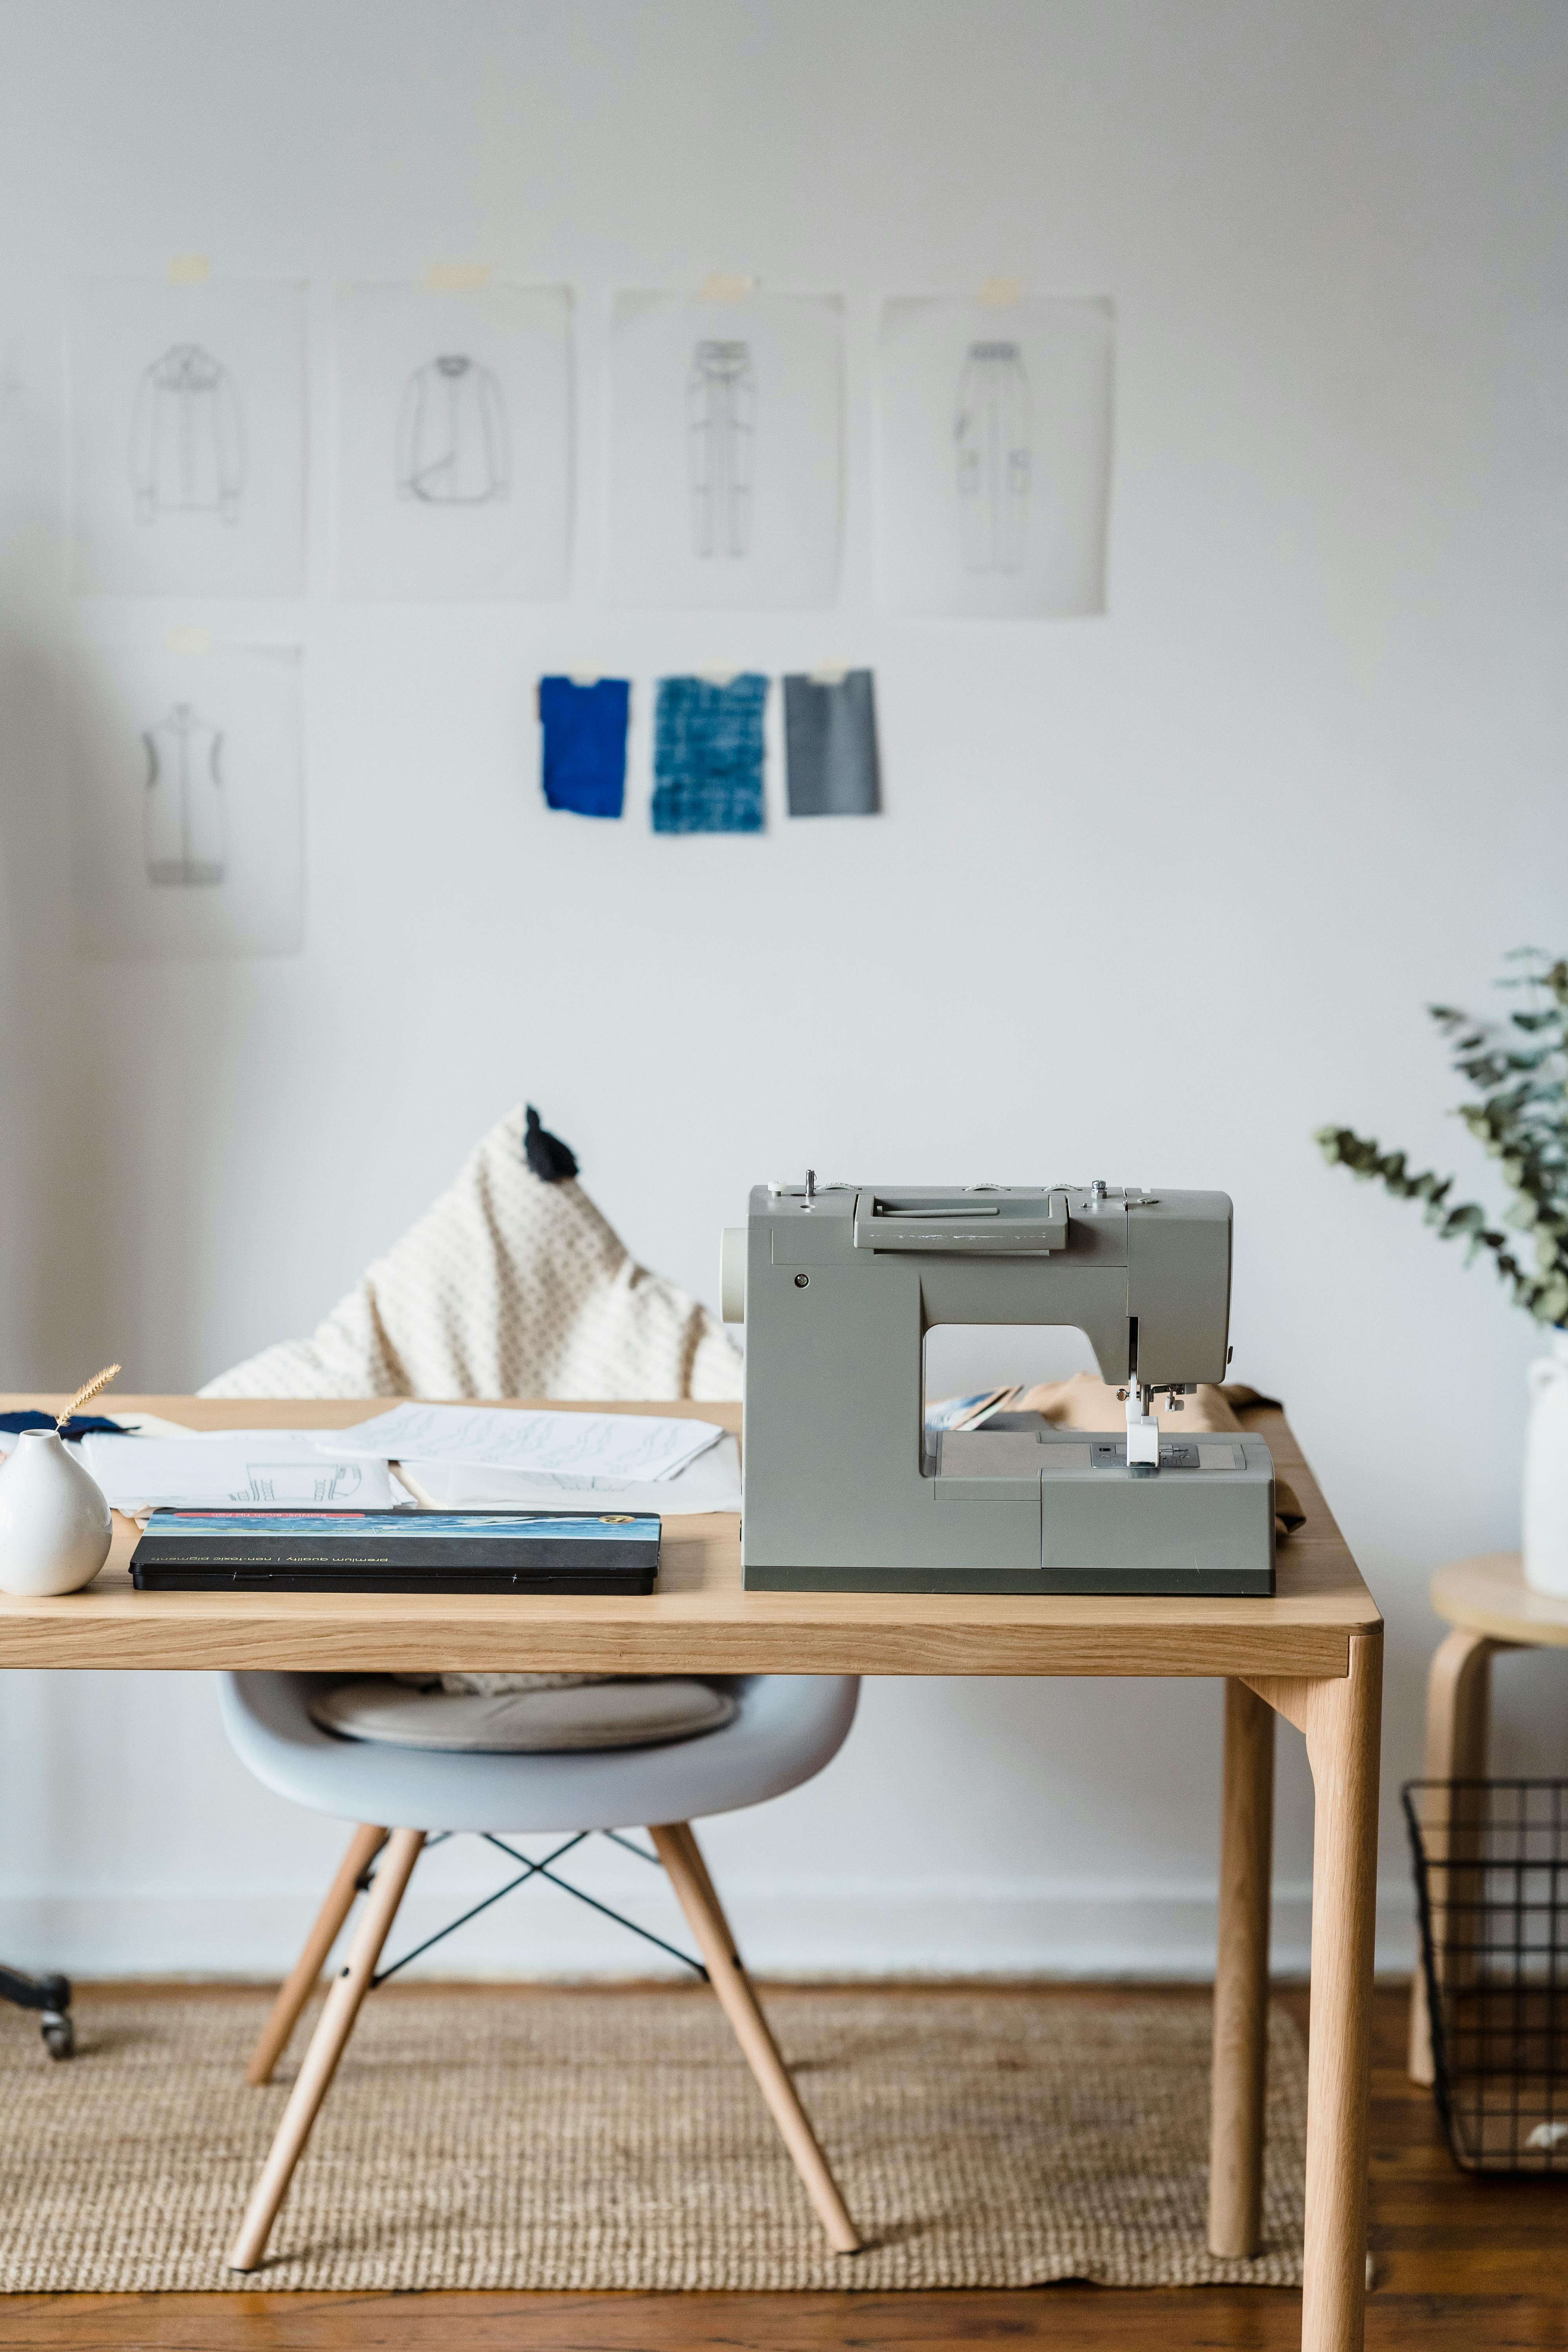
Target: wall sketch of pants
<point x="181" y="807"/>
<point x="721" y="423"/>
<point x="187" y="451"/>
<point x="452" y="448"/>
<point x="990" y="431"/>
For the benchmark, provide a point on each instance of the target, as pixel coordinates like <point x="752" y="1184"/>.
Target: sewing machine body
<point x="847" y="1490"/>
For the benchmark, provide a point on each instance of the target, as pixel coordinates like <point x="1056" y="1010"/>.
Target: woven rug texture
<point x="557" y="2139"/>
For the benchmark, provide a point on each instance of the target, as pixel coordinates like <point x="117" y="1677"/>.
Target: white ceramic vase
<point x="1546" y="1472"/>
<point x="55" y="1527"/>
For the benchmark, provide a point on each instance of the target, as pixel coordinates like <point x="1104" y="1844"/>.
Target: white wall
<point x="1154" y="895"/>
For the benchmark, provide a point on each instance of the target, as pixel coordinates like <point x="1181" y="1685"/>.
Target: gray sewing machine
<point x="847" y="1490"/>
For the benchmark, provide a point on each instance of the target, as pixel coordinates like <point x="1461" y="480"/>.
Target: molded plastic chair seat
<point x="787" y="1727"/>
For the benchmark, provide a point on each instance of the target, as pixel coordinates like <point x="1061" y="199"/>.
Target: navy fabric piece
<point x="585" y="744"/>
<point x="81" y="1426"/>
<point x="830" y="746"/>
<point x="707" y="755"/>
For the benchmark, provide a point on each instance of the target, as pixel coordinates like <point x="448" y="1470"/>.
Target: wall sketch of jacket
<point x="182" y="806"/>
<point x="991" y="430"/>
<point x="187" y="449"/>
<point x="452" y="448"/>
<point x="720" y="427"/>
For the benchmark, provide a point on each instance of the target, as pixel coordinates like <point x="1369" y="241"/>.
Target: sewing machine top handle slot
<point x="1012" y="1224"/>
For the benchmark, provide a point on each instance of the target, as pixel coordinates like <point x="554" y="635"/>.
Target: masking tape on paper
<point x="1001" y="293"/>
<point x="458" y="277"/>
<point x="190" y="269"/>
<point x="719" y="288"/>
<point x="188" y="641"/>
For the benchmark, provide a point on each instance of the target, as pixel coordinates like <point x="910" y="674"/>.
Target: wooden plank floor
<point x="1461" y="2266"/>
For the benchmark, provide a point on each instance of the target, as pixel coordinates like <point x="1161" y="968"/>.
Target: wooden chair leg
<point x="363" y="1846"/>
<point x="328" y="2042"/>
<point x="682" y="1857"/>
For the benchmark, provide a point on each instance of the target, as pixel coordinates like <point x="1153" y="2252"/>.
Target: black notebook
<point x="398" y="1551"/>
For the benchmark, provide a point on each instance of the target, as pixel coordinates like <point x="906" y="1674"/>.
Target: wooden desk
<point x="1314" y="1654"/>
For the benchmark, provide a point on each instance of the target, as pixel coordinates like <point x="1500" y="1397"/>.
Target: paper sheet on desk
<point x="266" y="1467"/>
<point x="579" y="1446"/>
<point x="711" y="1483"/>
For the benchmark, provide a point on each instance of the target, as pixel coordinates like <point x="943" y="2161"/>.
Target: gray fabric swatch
<point x="830" y="746"/>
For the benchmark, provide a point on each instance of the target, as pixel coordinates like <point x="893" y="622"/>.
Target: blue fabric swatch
<point x="14" y="1423"/>
<point x="585" y="744"/>
<point x="707" y="755"/>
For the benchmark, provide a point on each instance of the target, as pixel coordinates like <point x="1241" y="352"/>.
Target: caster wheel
<point x="60" y="2036"/>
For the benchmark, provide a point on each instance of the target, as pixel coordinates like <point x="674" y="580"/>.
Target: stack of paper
<point x="468" y="1456"/>
<point x="261" y="1468"/>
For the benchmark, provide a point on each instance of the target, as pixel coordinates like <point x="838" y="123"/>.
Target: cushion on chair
<point x="509" y="1286"/>
<point x="645" y="1712"/>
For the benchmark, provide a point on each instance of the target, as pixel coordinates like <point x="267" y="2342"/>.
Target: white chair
<point x="787" y="1728"/>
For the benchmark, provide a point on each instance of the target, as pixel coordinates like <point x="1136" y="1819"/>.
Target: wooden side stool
<point x="1490" y="1607"/>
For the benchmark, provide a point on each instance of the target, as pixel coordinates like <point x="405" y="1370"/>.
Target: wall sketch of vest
<point x="187" y="447"/>
<point x="181" y="807"/>
<point x="720" y="424"/>
<point x="990" y="431"/>
<point x="452" y="446"/>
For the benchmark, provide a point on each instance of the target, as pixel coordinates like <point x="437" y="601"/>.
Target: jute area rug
<point x="608" y="2139"/>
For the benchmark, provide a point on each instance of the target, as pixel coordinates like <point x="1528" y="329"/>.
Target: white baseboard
<point x="897" y="1928"/>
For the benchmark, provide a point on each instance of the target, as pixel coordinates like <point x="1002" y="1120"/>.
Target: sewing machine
<point x="847" y="1490"/>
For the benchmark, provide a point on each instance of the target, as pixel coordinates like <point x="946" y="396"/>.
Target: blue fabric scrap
<point x="707" y="755"/>
<point x="585" y="744"/>
<point x="82" y="1425"/>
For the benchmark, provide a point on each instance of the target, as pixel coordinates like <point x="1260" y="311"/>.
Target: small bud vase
<point x="1546" y="1472"/>
<point x="55" y="1528"/>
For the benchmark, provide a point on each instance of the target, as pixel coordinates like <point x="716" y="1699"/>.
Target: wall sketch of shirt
<point x="187" y="450"/>
<point x="182" y="810"/>
<point x="721" y="426"/>
<point x="991" y="430"/>
<point x="452" y="448"/>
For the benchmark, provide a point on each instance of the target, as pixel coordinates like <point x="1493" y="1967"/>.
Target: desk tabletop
<point x="700" y="1619"/>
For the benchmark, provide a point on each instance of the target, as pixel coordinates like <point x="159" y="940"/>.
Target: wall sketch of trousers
<point x="721" y="423"/>
<point x="187" y="451"/>
<point x="452" y="448"/>
<point x="181" y="807"/>
<point x="991" y="430"/>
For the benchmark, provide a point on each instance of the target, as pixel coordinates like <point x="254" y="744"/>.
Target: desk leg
<point x="1241" y="1976"/>
<point x="1341" y="1717"/>
<point x="1458" y="1704"/>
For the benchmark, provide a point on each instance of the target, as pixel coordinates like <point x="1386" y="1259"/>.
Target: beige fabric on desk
<point x="1086" y="1403"/>
<point x="508" y="1286"/>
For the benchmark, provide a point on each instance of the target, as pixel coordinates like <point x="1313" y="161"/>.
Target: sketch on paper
<point x="726" y="450"/>
<point x="296" y="1483"/>
<point x="182" y="812"/>
<point x="186" y="437"/>
<point x="452" y="448"/>
<point x="721" y="419"/>
<point x="187" y="447"/>
<point x="990" y="432"/>
<point x="187" y="802"/>
<point x="992" y="455"/>
<point x="454" y="441"/>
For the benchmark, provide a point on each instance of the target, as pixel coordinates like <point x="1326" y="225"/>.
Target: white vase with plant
<point x="55" y="1527"/>
<point x="1519" y="1069"/>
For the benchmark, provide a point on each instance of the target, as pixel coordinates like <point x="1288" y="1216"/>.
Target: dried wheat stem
<point x="85" y="1396"/>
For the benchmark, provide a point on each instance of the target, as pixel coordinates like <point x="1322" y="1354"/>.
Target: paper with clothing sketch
<point x="591" y="1449"/>
<point x="187" y="797"/>
<point x="187" y="438"/>
<point x="711" y="1483"/>
<point x="726" y="426"/>
<point x="992" y="456"/>
<point x="454" y="422"/>
<point x="262" y="1467"/>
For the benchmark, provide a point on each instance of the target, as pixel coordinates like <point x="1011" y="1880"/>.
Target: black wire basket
<point x="1491" y="1860"/>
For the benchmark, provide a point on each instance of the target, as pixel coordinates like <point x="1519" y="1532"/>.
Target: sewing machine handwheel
<point x="60" y="2036"/>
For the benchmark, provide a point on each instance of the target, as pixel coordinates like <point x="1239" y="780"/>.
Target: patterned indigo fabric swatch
<point x="707" y="755"/>
<point x="830" y="746"/>
<point x="584" y="743"/>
